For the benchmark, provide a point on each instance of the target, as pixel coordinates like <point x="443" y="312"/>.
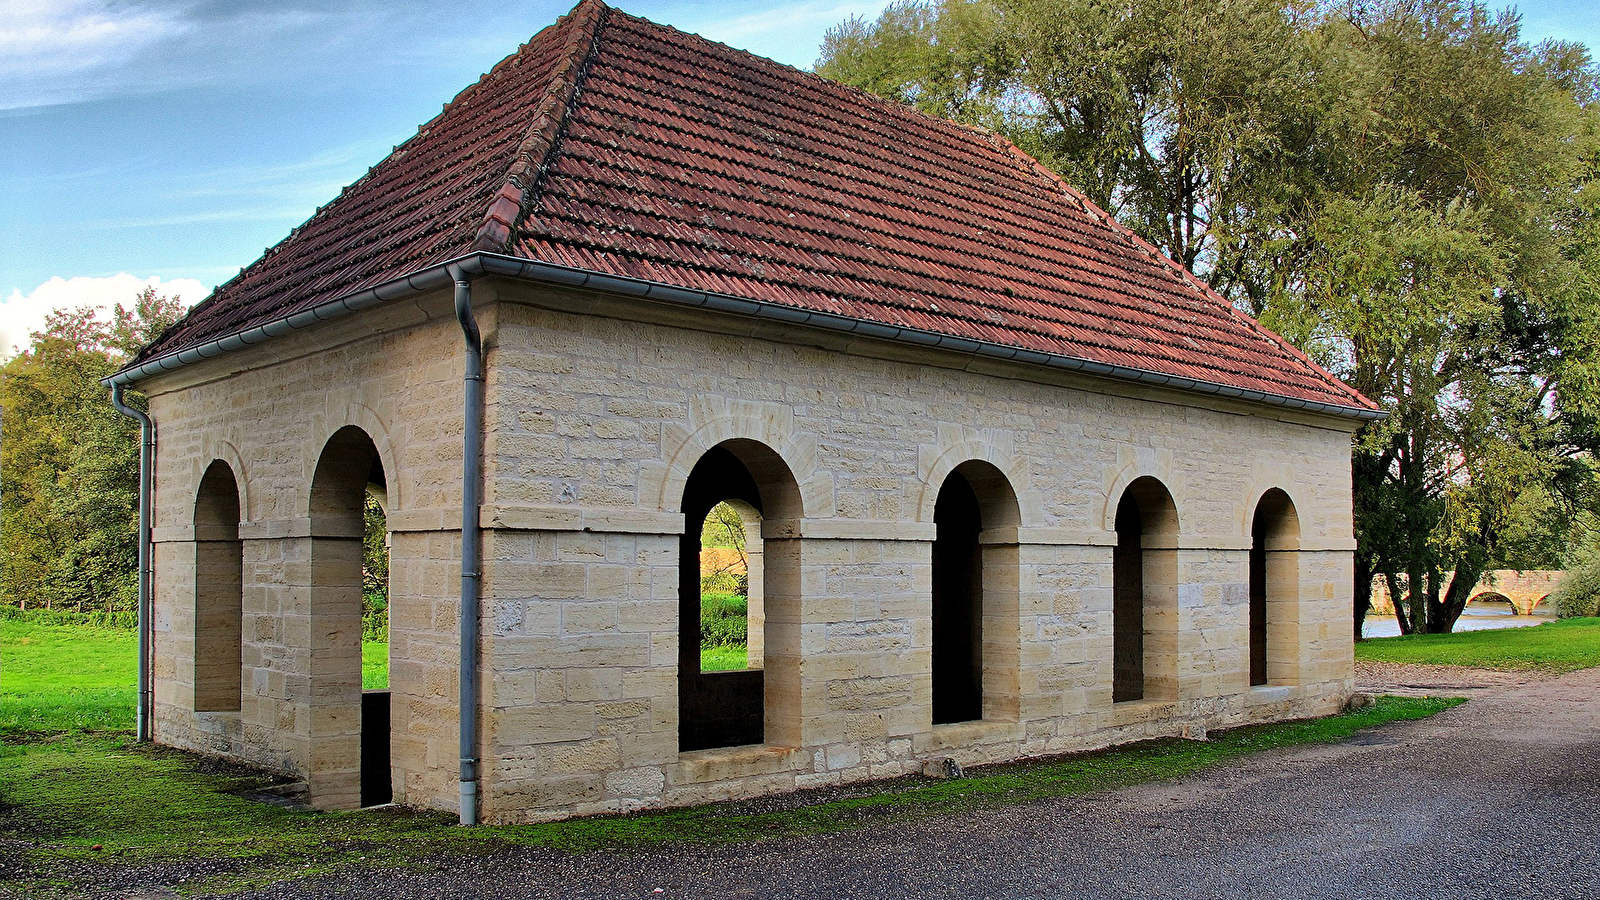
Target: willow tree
<point x="1404" y="188"/>
<point x="1447" y="267"/>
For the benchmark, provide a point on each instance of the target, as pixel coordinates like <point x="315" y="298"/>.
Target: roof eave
<point x="438" y="276"/>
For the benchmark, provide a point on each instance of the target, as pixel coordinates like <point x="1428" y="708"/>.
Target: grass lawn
<point x="1561" y="646"/>
<point x="68" y="785"/>
<point x="375" y="665"/>
<point x="723" y="658"/>
<point x="66" y="677"/>
<point x="56" y="678"/>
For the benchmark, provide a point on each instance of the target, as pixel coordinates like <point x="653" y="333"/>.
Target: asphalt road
<point x="1495" y="799"/>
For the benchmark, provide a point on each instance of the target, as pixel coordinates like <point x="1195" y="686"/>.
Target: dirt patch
<point x="1411" y="680"/>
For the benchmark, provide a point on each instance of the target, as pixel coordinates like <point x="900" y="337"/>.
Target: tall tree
<point x="1446" y="268"/>
<point x="69" y="462"/>
<point x="1185" y="120"/>
<point x="1403" y="187"/>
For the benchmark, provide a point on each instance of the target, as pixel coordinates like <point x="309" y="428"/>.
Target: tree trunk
<point x="1417" y="598"/>
<point x="1363" y="591"/>
<point x="1430" y="604"/>
<point x="1395" y="600"/>
<point x="1455" y="599"/>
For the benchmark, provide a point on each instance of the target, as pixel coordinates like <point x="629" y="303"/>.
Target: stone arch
<point x="1147" y="464"/>
<point x="1256" y="494"/>
<point x="1273" y="615"/>
<point x="214" y="450"/>
<point x="768" y="428"/>
<point x="1023" y="507"/>
<point x="1144" y="613"/>
<point x="350" y="733"/>
<point x="1493" y="597"/>
<point x="749" y="706"/>
<point x="975" y="608"/>
<point x="218" y="591"/>
<point x="325" y="427"/>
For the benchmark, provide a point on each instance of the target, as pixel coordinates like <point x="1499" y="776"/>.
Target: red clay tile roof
<point x="614" y="145"/>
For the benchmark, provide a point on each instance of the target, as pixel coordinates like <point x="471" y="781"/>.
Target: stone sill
<point x="1271" y="693"/>
<point x="1129" y="712"/>
<point x="722" y="763"/>
<point x="961" y="735"/>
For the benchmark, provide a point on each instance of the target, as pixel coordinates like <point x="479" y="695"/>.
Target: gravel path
<point x="1495" y="799"/>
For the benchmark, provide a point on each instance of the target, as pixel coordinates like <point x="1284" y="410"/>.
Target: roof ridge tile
<point x="587" y="22"/>
<point x="613" y="145"/>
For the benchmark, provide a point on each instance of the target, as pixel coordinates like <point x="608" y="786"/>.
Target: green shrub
<point x="724" y="620"/>
<point x="724" y="605"/>
<point x="1578" y="594"/>
<point x="116" y="618"/>
<point x="375" y="616"/>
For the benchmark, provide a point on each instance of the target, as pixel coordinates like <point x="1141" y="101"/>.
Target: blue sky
<point x="171" y="141"/>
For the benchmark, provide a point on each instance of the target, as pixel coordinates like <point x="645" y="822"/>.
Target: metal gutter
<point x="425" y="280"/>
<point x="147" y="455"/>
<point x="471" y="542"/>
<point x="437" y="277"/>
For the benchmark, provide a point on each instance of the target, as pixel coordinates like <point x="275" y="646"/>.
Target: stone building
<point x="1022" y="485"/>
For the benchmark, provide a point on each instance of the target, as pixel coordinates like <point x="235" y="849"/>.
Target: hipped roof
<point x="613" y="145"/>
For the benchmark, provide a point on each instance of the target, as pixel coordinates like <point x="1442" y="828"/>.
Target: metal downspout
<point x="471" y="542"/>
<point x="147" y="452"/>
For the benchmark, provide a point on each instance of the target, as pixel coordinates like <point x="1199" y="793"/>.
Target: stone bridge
<point x="1523" y="590"/>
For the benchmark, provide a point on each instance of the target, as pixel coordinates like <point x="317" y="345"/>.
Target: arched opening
<point x="375" y="588"/>
<point x="974" y="596"/>
<point x="731" y="570"/>
<point x="756" y="702"/>
<point x="350" y="740"/>
<point x="1144" y="612"/>
<point x="218" y="593"/>
<point x="1274" y="589"/>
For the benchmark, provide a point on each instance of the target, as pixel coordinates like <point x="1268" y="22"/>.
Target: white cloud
<point x="50" y="50"/>
<point x="68" y="51"/>
<point x="22" y="314"/>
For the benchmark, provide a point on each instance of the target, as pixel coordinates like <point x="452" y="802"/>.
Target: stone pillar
<point x="1002" y="613"/>
<point x="755" y="594"/>
<point x="1165" y="594"/>
<point x="333" y="700"/>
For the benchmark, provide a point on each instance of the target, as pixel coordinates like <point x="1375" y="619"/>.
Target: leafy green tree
<point x="69" y="462"/>
<point x="1402" y="187"/>
<point x="1446" y="268"/>
<point x="1184" y="120"/>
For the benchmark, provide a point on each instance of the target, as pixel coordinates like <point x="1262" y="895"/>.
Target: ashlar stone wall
<point x="598" y="410"/>
<point x="597" y="417"/>
<point x="268" y="414"/>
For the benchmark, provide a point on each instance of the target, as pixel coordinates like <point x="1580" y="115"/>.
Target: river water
<point x="1478" y="616"/>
